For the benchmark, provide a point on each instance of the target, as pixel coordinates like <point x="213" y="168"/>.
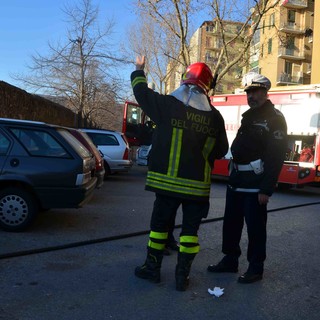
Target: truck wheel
<point x="18" y="209"/>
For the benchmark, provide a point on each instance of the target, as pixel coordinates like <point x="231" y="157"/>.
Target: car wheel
<point x="18" y="209"/>
<point x="107" y="170"/>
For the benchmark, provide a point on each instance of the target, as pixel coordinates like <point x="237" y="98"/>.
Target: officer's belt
<point x="246" y="190"/>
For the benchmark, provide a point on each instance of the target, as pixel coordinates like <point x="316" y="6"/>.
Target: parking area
<point x="95" y="280"/>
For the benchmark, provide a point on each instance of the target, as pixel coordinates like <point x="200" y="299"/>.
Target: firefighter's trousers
<point x="164" y="210"/>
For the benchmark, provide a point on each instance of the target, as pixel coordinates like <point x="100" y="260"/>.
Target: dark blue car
<point x="42" y="166"/>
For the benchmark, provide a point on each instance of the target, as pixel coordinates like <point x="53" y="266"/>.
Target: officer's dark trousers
<point x="240" y="207"/>
<point x="165" y="209"/>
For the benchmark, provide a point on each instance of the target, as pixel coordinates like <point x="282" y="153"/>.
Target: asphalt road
<point x="78" y="264"/>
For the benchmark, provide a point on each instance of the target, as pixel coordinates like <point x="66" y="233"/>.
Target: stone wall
<point x="19" y="104"/>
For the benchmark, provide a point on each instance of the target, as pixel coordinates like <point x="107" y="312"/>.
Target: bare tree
<point x="250" y="14"/>
<point x="163" y="35"/>
<point x="80" y="69"/>
<point x="147" y="38"/>
<point x="174" y="18"/>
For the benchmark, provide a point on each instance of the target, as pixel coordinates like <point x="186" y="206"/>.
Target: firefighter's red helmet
<point x="199" y="74"/>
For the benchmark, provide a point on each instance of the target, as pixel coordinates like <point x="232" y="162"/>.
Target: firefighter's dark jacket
<point x="262" y="135"/>
<point x="185" y="143"/>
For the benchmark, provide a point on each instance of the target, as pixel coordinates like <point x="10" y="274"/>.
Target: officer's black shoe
<point x="227" y="264"/>
<point x="250" y="277"/>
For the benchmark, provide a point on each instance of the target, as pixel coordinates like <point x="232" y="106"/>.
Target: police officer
<point x="258" y="153"/>
<point x="188" y="137"/>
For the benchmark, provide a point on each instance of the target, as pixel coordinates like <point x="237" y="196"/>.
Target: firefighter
<point x="188" y="137"/>
<point x="258" y="153"/>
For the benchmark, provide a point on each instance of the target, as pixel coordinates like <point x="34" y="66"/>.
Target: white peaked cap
<point x="253" y="80"/>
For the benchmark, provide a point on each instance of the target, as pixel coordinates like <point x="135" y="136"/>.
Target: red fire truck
<point x="301" y="108"/>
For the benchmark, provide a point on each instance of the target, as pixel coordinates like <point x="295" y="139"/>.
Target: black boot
<point x="253" y="274"/>
<point x="227" y="264"/>
<point x="150" y="270"/>
<point x="182" y="270"/>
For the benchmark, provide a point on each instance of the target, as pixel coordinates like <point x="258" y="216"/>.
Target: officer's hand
<point x="140" y="62"/>
<point x="263" y="198"/>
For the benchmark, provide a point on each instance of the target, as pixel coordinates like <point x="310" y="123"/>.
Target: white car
<point x="114" y="147"/>
<point x="142" y="155"/>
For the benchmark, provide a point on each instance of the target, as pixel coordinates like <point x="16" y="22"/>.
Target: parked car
<point x="114" y="147"/>
<point x="87" y="142"/>
<point x="142" y="155"/>
<point x="42" y="166"/>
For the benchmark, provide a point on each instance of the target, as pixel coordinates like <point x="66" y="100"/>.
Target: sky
<point x="26" y="27"/>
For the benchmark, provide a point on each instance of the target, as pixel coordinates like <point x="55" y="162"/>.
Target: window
<point x="210" y="57"/>
<point x="290" y="42"/>
<point x="134" y="114"/>
<point x="288" y="67"/>
<point x="103" y="139"/>
<point x="269" y="45"/>
<point x="291" y="16"/>
<point x="261" y="51"/>
<point x="79" y="147"/>
<point x="263" y="25"/>
<point x="209" y="28"/>
<point x="256" y="37"/>
<point x="40" y="143"/>
<point x="271" y="21"/>
<point x="4" y="145"/>
<point x="290" y="46"/>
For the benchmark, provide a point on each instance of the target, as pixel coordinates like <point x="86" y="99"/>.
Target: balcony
<point x="295" y="4"/>
<point x="292" y="54"/>
<point x="288" y="79"/>
<point x="291" y="27"/>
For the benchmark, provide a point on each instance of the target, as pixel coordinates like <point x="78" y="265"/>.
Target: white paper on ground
<point x="217" y="291"/>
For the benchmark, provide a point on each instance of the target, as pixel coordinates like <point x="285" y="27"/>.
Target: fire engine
<point x="301" y="108"/>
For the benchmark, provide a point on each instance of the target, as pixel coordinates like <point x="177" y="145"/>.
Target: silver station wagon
<point x="114" y="147"/>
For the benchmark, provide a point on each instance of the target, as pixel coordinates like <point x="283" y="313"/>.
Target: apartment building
<point x="286" y="43"/>
<point x="315" y="65"/>
<point x="206" y="44"/>
<point x="285" y="47"/>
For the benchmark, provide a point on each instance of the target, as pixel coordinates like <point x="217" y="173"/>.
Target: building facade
<point x="287" y="43"/>
<point x="315" y="65"/>
<point x="206" y="45"/>
<point x="285" y="47"/>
